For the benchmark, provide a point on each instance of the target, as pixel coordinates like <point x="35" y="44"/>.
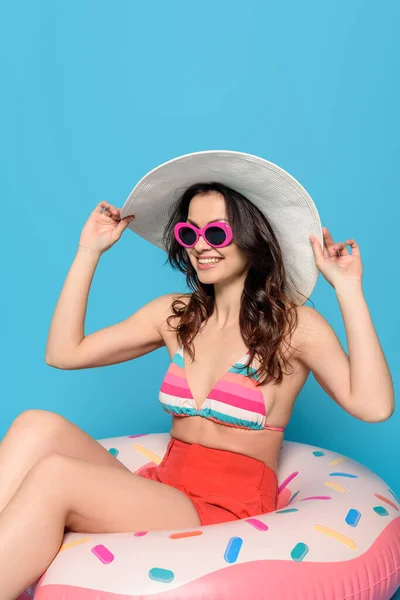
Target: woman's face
<point x="204" y="208"/>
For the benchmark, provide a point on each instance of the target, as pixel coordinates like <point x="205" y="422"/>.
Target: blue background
<point x="96" y="93"/>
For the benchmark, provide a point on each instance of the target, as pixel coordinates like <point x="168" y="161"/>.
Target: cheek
<point x="235" y="257"/>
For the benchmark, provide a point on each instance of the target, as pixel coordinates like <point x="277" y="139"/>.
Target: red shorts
<point x="223" y="485"/>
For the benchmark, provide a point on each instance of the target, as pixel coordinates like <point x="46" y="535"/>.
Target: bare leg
<point x="35" y="434"/>
<point x="63" y="492"/>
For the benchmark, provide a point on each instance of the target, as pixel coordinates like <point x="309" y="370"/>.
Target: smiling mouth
<point x="208" y="263"/>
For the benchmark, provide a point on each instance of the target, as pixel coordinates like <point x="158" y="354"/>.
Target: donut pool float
<point x="334" y="535"/>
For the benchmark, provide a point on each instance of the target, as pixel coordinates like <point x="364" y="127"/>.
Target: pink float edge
<point x="378" y="569"/>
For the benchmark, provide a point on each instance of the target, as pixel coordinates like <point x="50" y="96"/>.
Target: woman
<point x="228" y="421"/>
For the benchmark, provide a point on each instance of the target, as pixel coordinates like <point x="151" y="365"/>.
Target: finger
<point x="328" y="239"/>
<point x="341" y="248"/>
<point x="317" y="248"/>
<point x="110" y="210"/>
<point x="329" y="243"/>
<point x="122" y="225"/>
<point x="101" y="205"/>
<point x="355" y="248"/>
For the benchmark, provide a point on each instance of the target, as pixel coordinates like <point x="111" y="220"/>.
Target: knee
<point x="38" y="420"/>
<point x="50" y="481"/>
<point x="52" y="471"/>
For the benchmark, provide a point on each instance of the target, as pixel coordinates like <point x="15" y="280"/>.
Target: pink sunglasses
<point x="218" y="234"/>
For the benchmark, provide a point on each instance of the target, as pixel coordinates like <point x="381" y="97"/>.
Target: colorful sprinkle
<point x="257" y="524"/>
<point x="148" y="453"/>
<point x="381" y="511"/>
<point x="352" y="517"/>
<point x="319" y="453"/>
<point x="343" y="539"/>
<point x="137" y="435"/>
<point x="394" y="496"/>
<point x="294" y="496"/>
<point x="233" y="549"/>
<point x="335" y="486"/>
<point x="299" y="552"/>
<point x="286" y="510"/>
<point x="336" y="461"/>
<point x="139" y="533"/>
<point x="286" y="481"/>
<point x="339" y="474"/>
<point x="69" y="545"/>
<point x="185" y="534"/>
<point x="114" y="451"/>
<point x="392" y="504"/>
<point x="103" y="554"/>
<point x="316" y="498"/>
<point x="164" y="575"/>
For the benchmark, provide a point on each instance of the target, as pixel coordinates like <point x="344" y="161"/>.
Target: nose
<point x="201" y="244"/>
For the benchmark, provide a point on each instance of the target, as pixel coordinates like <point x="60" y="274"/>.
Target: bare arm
<point x="67" y="345"/>
<point x="359" y="382"/>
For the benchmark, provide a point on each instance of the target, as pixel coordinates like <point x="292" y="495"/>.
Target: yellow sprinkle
<point x="336" y="461"/>
<point x="335" y="486"/>
<point x="75" y="543"/>
<point x="337" y="536"/>
<point x="148" y="453"/>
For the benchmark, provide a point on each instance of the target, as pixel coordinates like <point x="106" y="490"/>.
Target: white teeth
<point x="208" y="260"/>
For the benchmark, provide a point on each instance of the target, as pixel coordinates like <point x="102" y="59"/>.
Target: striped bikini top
<point x="235" y="400"/>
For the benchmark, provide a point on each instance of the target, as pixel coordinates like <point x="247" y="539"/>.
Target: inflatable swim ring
<point x="335" y="535"/>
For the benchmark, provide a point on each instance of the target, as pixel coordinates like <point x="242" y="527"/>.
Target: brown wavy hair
<point x="266" y="315"/>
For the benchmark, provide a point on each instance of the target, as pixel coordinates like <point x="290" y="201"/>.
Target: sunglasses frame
<point x="202" y="232"/>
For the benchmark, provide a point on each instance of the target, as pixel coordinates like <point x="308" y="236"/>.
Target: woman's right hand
<point x="102" y="230"/>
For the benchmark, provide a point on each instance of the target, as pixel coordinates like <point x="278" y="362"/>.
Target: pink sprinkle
<point x="103" y="554"/>
<point x="140" y="533"/>
<point x="287" y="481"/>
<point x="137" y="435"/>
<point x="257" y="524"/>
<point x="317" y="498"/>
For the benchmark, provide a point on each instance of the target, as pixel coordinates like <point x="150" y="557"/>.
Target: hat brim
<point x="279" y="196"/>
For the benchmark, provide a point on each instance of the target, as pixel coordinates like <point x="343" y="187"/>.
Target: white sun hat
<point x="279" y="196"/>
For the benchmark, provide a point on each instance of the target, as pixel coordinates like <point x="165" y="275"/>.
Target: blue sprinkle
<point x="233" y="549"/>
<point x="340" y="474"/>
<point x="319" y="453"/>
<point x="352" y="517"/>
<point x="114" y="451"/>
<point x="286" y="510"/>
<point x="294" y="496"/>
<point x="164" y="575"/>
<point x="299" y="552"/>
<point x="382" y="512"/>
<point x="394" y="496"/>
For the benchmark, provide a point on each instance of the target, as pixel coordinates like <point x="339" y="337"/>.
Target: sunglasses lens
<point x="215" y="236"/>
<point x="187" y="235"/>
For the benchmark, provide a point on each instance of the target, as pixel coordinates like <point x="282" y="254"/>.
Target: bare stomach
<point x="262" y="445"/>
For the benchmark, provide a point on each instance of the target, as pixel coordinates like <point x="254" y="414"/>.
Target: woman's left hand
<point x="335" y="262"/>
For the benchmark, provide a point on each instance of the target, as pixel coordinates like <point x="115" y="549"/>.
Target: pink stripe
<point x="236" y="389"/>
<point x="176" y="381"/>
<point x="238" y="402"/>
<point x="172" y="390"/>
<point x="240" y="379"/>
<point x="176" y="370"/>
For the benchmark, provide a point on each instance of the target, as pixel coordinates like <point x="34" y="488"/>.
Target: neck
<point x="227" y="304"/>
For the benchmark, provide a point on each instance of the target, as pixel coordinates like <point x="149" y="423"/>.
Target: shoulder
<point x="163" y="304"/>
<point x="309" y="324"/>
<point x="315" y="337"/>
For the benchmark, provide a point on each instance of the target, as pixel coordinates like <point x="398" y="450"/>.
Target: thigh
<point x="103" y="499"/>
<point x="42" y="433"/>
